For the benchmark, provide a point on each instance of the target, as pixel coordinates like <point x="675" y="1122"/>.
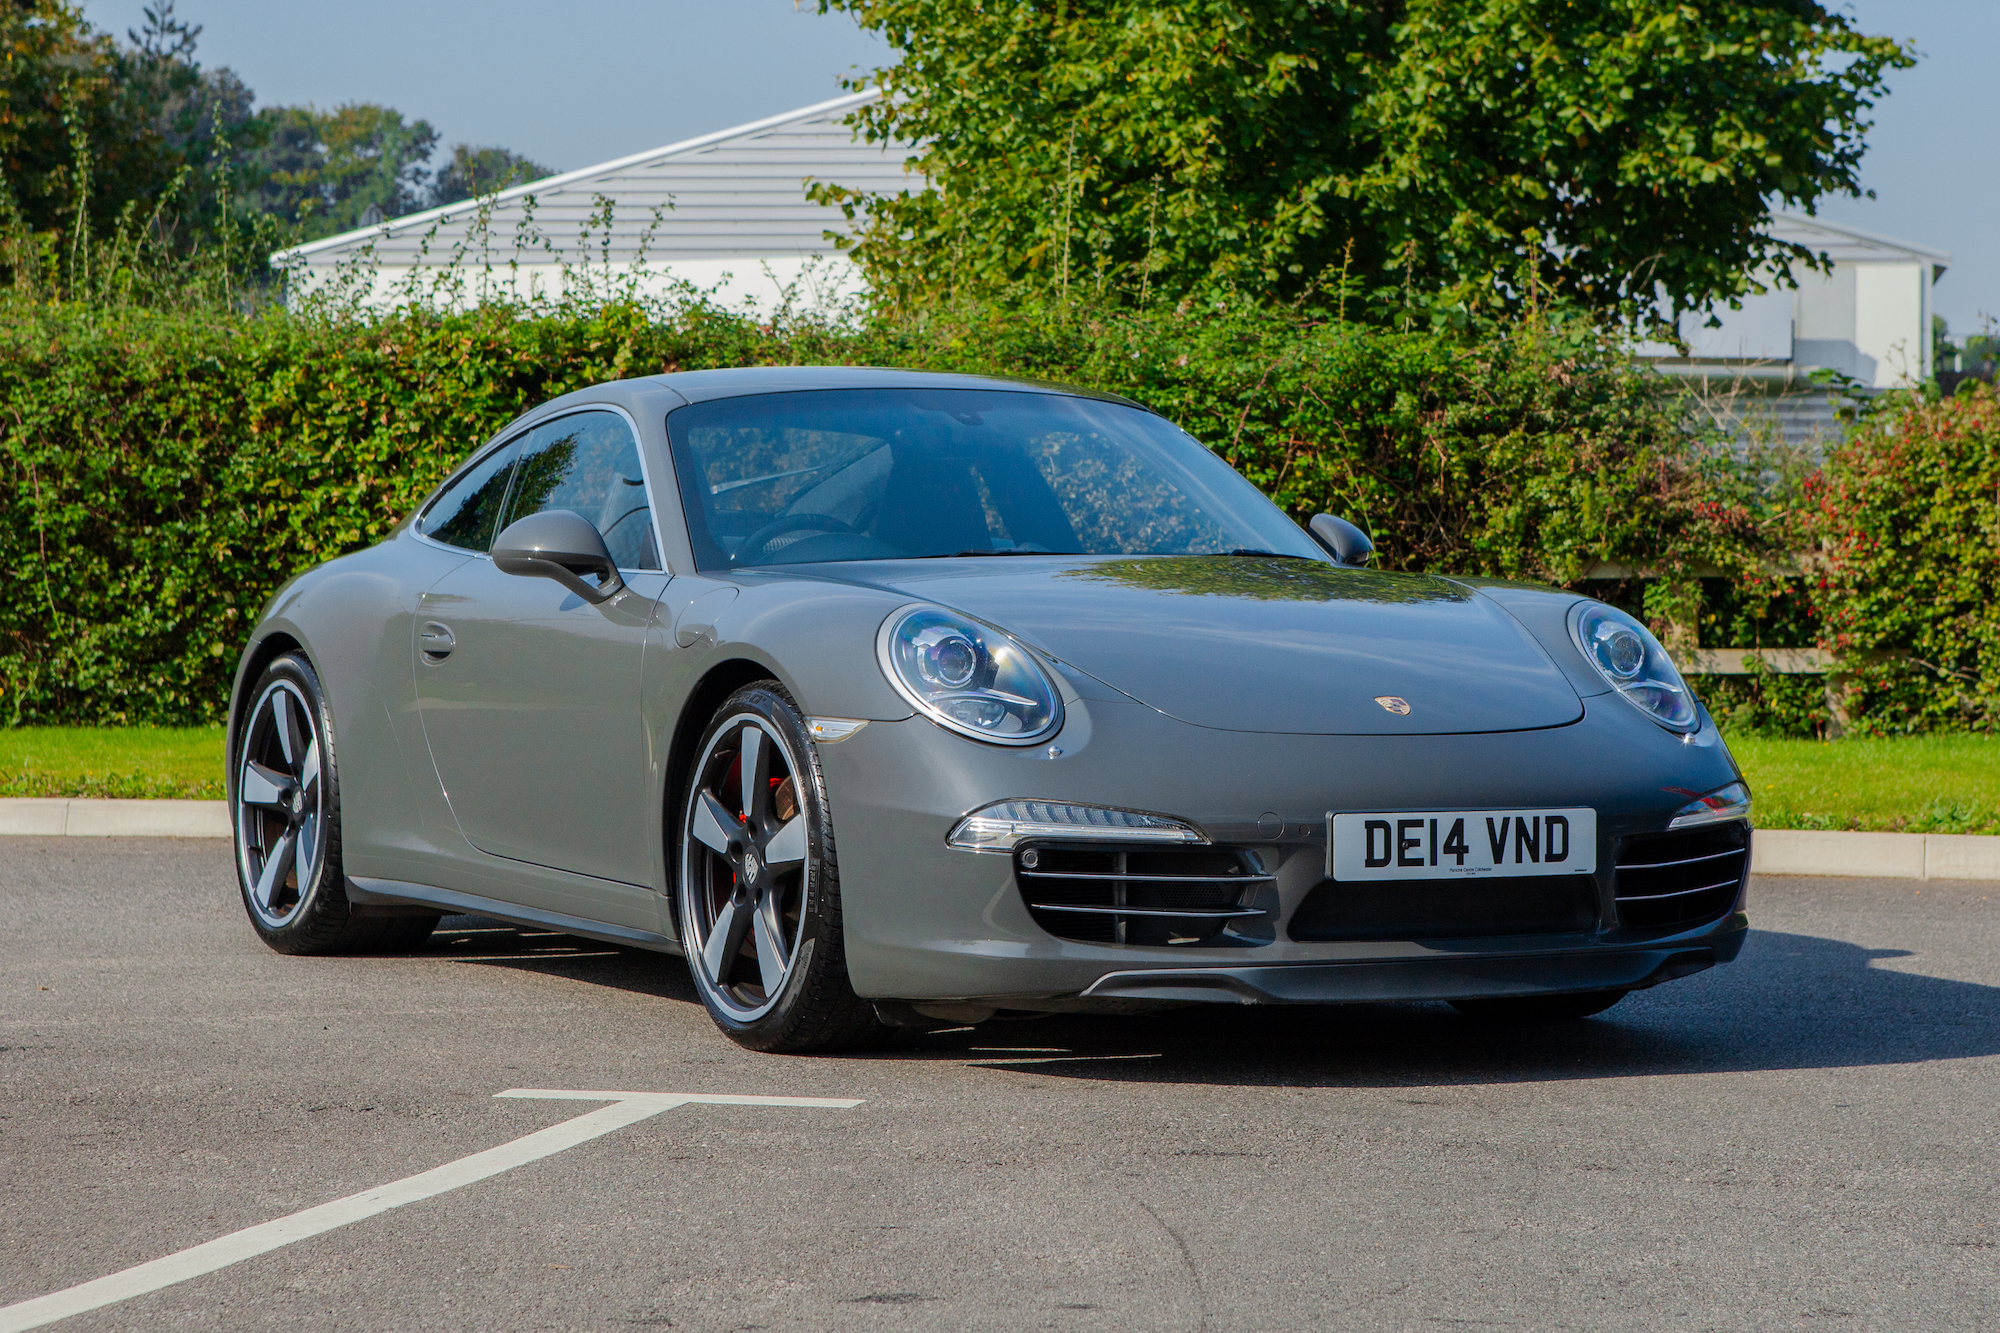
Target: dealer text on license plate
<point x="1441" y="844"/>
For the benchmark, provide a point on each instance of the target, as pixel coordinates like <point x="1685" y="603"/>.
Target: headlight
<point x="1719" y="806"/>
<point x="1626" y="654"/>
<point x="970" y="678"/>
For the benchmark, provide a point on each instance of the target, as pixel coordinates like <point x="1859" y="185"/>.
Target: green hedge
<point x="1907" y="512"/>
<point x="164" y="473"/>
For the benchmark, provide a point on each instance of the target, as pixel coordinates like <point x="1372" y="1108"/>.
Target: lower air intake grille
<point x="1667" y="881"/>
<point x="1447" y="909"/>
<point x="1136" y="895"/>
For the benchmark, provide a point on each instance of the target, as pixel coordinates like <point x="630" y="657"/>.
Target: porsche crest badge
<point x="1393" y="704"/>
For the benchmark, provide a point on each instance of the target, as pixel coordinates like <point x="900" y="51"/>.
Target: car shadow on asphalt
<point x="1789" y="1002"/>
<point x="484" y="942"/>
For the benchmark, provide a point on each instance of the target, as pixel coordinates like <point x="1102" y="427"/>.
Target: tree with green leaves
<point x="473" y="172"/>
<point x="116" y="158"/>
<point x="88" y="125"/>
<point x="1463" y="154"/>
<point x="130" y="172"/>
<point x="327" y="169"/>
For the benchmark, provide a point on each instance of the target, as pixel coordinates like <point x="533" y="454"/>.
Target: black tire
<point x="1540" y="1008"/>
<point x="777" y="913"/>
<point x="285" y="808"/>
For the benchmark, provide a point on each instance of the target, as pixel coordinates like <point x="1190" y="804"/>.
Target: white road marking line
<point x="1000" y="1061"/>
<point x="626" y="1108"/>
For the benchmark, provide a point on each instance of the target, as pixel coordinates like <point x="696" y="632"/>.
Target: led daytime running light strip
<point x="1004" y="824"/>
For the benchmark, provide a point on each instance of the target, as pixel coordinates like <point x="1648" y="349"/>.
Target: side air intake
<point x="1137" y="895"/>
<point x="1670" y="881"/>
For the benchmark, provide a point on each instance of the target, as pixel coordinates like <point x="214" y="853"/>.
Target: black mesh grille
<point x="1151" y="895"/>
<point x="1668" y="881"/>
<point x="1455" y="908"/>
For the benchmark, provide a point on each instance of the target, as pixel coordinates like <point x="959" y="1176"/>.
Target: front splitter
<point x="1420" y="979"/>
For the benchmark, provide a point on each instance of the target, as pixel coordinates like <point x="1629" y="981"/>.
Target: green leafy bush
<point x="164" y="473"/>
<point x="1765" y="703"/>
<point x="1908" y="511"/>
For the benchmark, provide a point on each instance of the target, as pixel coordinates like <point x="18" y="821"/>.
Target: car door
<point x="529" y="694"/>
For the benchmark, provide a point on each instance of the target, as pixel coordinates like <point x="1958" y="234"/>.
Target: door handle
<point x="436" y="642"/>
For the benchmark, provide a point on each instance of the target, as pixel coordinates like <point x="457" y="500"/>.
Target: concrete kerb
<point x="82" y="818"/>
<point x="1777" y="851"/>
<point x="1875" y="855"/>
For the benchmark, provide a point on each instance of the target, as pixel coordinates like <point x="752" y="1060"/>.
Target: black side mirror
<point x="561" y="545"/>
<point x="1347" y="544"/>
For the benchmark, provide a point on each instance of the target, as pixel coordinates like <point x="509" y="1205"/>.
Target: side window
<point x="468" y="512"/>
<point x="588" y="463"/>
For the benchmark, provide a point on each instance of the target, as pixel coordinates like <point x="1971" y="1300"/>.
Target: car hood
<point x="1245" y="643"/>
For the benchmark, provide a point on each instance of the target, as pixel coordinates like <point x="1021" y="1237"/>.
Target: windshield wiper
<point x="1012" y="550"/>
<point x="1275" y="555"/>
<point x="722" y="487"/>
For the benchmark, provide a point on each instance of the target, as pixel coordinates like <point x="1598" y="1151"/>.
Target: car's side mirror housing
<point x="1347" y="544"/>
<point x="562" y="545"/>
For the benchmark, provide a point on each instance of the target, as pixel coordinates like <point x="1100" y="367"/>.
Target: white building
<point x="1869" y="318"/>
<point x="726" y="211"/>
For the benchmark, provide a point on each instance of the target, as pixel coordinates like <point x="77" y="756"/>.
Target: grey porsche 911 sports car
<point x="897" y="698"/>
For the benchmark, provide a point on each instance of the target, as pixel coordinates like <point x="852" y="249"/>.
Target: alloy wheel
<point x="744" y="866"/>
<point x="280" y="804"/>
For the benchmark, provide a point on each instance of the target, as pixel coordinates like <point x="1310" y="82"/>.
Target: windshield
<point x="891" y="474"/>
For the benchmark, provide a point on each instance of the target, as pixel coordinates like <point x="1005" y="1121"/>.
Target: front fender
<point x="817" y="639"/>
<point x="352" y="619"/>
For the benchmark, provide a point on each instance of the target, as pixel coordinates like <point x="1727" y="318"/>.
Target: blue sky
<point x="588" y="80"/>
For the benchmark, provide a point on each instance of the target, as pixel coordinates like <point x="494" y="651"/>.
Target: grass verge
<point x="1908" y="784"/>
<point x="1902" y="784"/>
<point x="145" y="762"/>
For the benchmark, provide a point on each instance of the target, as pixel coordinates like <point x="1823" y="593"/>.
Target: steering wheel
<point x="752" y="551"/>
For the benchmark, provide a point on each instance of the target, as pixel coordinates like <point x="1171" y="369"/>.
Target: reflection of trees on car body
<point x="1268" y="578"/>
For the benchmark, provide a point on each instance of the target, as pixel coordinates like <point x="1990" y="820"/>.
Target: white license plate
<point x="1440" y="844"/>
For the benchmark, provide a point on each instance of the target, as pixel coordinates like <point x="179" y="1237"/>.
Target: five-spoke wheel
<point x="747" y="863"/>
<point x="759" y="896"/>
<point x="280" y="803"/>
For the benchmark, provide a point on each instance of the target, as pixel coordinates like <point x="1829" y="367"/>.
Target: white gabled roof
<point x="735" y="193"/>
<point x="1851" y="245"/>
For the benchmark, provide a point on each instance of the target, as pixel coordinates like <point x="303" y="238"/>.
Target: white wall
<point x="1760" y="331"/>
<point x="1867" y="320"/>
<point x="1891" y="320"/>
<point x="1824" y="331"/>
<point x="757" y="284"/>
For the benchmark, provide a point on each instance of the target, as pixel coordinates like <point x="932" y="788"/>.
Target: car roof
<point x="641" y="394"/>
<point x="702" y="385"/>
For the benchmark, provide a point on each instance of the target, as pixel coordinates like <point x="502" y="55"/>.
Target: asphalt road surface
<point x="1806" y="1138"/>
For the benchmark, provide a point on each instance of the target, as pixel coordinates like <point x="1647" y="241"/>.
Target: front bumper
<point x="924" y="922"/>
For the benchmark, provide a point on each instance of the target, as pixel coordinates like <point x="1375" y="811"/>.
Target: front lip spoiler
<point x="1420" y="979"/>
